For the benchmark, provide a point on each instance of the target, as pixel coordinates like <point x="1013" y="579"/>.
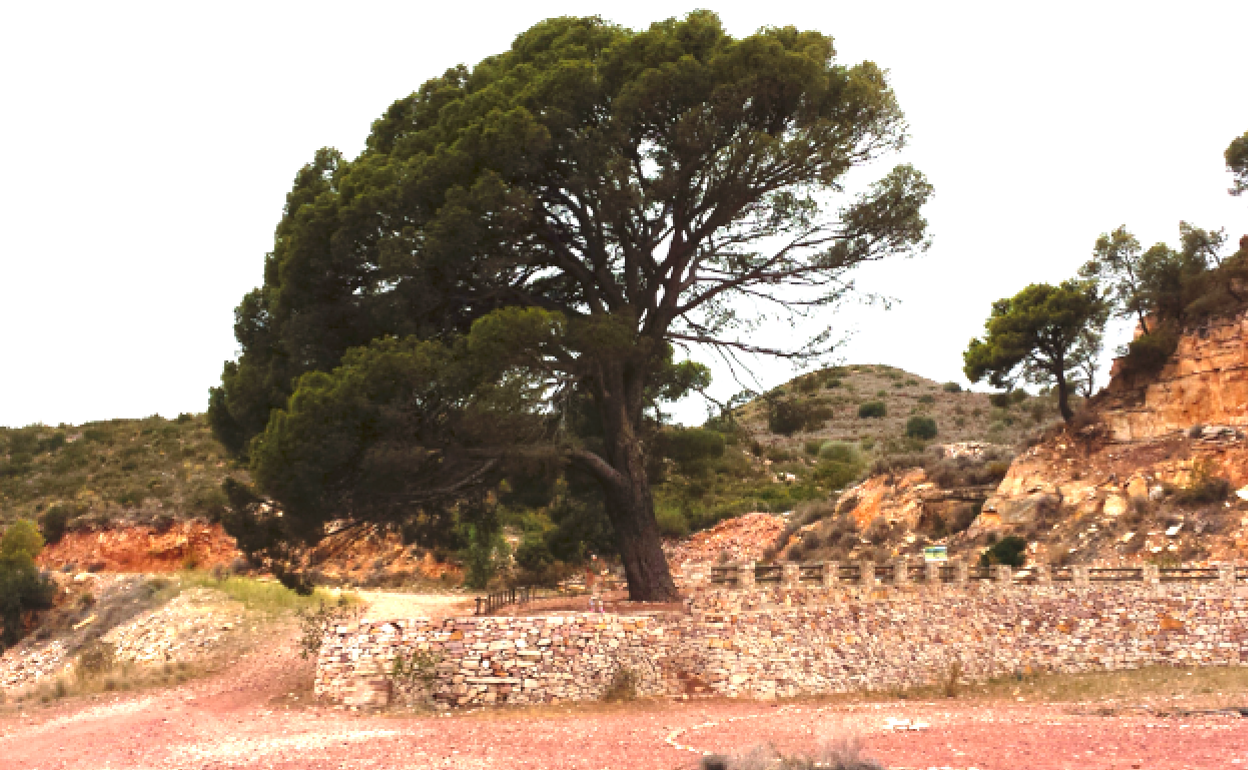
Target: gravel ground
<point x="249" y="716"/>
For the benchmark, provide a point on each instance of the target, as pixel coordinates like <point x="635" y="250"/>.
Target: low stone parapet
<point x="778" y="641"/>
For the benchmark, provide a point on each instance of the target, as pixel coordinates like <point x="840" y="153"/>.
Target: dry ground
<point x="254" y="713"/>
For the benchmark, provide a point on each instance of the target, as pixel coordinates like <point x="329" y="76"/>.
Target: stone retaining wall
<point x="781" y="642"/>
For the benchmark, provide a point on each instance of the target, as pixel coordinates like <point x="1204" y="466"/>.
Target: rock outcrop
<point x="1205" y="382"/>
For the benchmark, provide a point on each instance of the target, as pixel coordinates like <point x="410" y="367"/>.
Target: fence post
<point x="1002" y="574"/>
<point x="1044" y="574"/>
<point x="901" y="573"/>
<point x="790" y="575"/>
<point x="1226" y="575"/>
<point x="931" y="572"/>
<point x="961" y="572"/>
<point x="745" y="576"/>
<point x="831" y="574"/>
<point x="1079" y="575"/>
<point x="696" y="574"/>
<point x="1150" y="574"/>
<point x="866" y="573"/>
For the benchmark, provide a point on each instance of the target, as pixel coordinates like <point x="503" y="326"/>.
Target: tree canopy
<point x="22" y="588"/>
<point x="633" y="192"/>
<point x="1043" y="335"/>
<point x="1237" y="163"/>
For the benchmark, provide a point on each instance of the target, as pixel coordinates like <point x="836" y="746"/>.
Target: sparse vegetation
<point x="117" y="470"/>
<point x="872" y="409"/>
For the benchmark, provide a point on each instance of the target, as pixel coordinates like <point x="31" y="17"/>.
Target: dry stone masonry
<point x="791" y="636"/>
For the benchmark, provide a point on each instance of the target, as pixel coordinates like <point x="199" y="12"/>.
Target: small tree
<point x="1041" y="335"/>
<point x="22" y="588"/>
<point x="1237" y="163"/>
<point x="921" y="427"/>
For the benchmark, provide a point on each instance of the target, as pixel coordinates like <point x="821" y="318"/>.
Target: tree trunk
<point x="1063" y="397"/>
<point x="620" y="399"/>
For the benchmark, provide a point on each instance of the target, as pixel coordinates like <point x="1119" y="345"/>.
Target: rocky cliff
<point x="1156" y="472"/>
<point x="1205" y="382"/>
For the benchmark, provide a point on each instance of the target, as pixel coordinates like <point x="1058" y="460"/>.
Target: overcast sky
<point x="150" y="147"/>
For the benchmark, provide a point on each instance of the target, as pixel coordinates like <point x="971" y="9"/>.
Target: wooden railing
<point x="730" y="575"/>
<point x="491" y="603"/>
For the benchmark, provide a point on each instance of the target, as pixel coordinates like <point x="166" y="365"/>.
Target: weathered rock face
<point x="1205" y="382"/>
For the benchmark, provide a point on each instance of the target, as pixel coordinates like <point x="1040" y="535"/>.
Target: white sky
<point x="151" y="146"/>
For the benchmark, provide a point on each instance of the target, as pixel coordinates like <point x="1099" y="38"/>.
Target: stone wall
<point x="784" y="641"/>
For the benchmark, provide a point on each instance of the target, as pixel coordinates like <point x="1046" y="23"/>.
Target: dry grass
<point x="265" y="595"/>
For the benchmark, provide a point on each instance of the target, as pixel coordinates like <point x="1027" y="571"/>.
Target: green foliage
<point x="921" y="427"/>
<point x="54" y="521"/>
<point x="672" y="522"/>
<point x="483" y="554"/>
<point x="533" y="553"/>
<point x="840" y="465"/>
<point x="1148" y="353"/>
<point x="1237" y="163"/>
<point x="96" y="470"/>
<point x="787" y="416"/>
<point x="691" y="448"/>
<point x="875" y="409"/>
<point x="1044" y="334"/>
<point x="315" y="623"/>
<point x="1011" y="550"/>
<point x="495" y="190"/>
<point x="22" y="588"/>
<point x="951" y="387"/>
<point x="1204" y="487"/>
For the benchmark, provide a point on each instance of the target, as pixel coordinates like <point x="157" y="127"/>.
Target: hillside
<point x="833" y="398"/>
<point x="139" y="471"/>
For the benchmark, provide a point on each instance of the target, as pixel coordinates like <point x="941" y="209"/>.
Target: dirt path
<point x="238" y="719"/>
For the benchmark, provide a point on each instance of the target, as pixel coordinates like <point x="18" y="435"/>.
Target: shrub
<point x="871" y="409"/>
<point x="927" y="399"/>
<point x="838" y="451"/>
<point x="55" y="521"/>
<point x="951" y="387"/>
<point x="1204" y="487"/>
<point x="921" y="427"/>
<point x="786" y="416"/>
<point x="688" y="447"/>
<point x="1011" y="550"/>
<point x="812" y="446"/>
<point x="623" y="686"/>
<point x="533" y="554"/>
<point x="209" y="502"/>
<point x="671" y="521"/>
<point x="1147" y="353"/>
<point x="22" y="588"/>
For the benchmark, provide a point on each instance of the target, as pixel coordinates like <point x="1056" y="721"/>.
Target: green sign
<point x="935" y="553"/>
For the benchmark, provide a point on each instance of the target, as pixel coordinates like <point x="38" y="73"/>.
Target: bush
<point x="1203" y="488"/>
<point x="671" y="521"/>
<point x="55" y="521"/>
<point x="872" y="409"/>
<point x="951" y="387"/>
<point x="812" y="446"/>
<point x="1011" y="550"/>
<point x="921" y="427"/>
<point x="839" y="451"/>
<point x="623" y="686"/>
<point x="689" y="447"/>
<point x="22" y="588"/>
<point x="786" y="416"/>
<point x="1148" y="353"/>
<point x="533" y="554"/>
